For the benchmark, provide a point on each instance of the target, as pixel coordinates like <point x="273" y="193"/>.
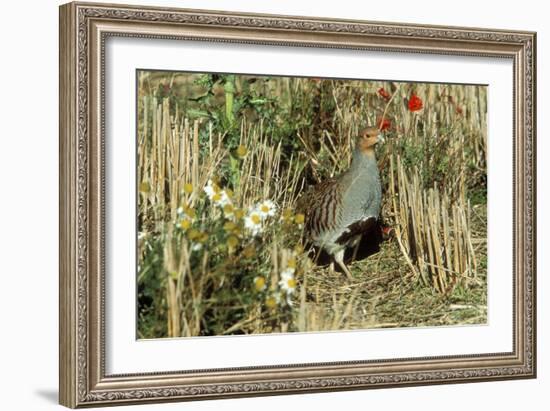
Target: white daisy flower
<point x="228" y="210"/>
<point x="287" y="273"/>
<point x="253" y="223"/>
<point x="266" y="209"/>
<point x="209" y="189"/>
<point x="216" y="194"/>
<point x="221" y="198"/>
<point x="184" y="223"/>
<point x="288" y="286"/>
<point x="196" y="247"/>
<point x="287" y="283"/>
<point x="260" y="283"/>
<point x="179" y="211"/>
<point x="273" y="300"/>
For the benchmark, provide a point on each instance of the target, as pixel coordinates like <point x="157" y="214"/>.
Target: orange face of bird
<point x="368" y="139"/>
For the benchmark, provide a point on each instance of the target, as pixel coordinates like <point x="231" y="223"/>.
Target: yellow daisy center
<point x="242" y="151"/>
<point x="291" y="263"/>
<point x="193" y="234"/>
<point x="259" y="282"/>
<point x="188" y="188"/>
<point x="255" y="218"/>
<point x="229" y="226"/>
<point x="232" y="241"/>
<point x="271" y="302"/>
<point x="189" y="211"/>
<point x="185" y="224"/>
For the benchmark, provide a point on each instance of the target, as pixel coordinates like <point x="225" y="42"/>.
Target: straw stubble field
<point x="223" y="161"/>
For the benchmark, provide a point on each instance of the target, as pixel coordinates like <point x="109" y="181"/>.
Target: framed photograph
<point x="259" y="204"/>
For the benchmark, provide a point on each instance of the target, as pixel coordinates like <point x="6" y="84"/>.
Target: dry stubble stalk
<point x="432" y="231"/>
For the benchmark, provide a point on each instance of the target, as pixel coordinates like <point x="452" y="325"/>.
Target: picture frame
<point x="84" y="30"/>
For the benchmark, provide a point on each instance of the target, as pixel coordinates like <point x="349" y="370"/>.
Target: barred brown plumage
<point x="339" y="210"/>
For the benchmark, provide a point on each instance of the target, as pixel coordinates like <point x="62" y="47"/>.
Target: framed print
<point x="259" y="204"/>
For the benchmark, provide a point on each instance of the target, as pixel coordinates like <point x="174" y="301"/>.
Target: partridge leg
<point x="355" y="246"/>
<point x="339" y="258"/>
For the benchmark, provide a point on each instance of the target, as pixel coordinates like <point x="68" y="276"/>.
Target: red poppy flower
<point x="383" y="93"/>
<point x="458" y="110"/>
<point x="415" y="103"/>
<point x="384" y="124"/>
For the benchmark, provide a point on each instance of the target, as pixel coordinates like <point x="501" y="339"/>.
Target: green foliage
<point x="151" y="302"/>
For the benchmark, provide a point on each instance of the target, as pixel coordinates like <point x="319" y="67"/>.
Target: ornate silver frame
<point x="83" y="30"/>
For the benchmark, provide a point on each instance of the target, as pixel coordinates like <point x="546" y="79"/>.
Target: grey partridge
<point x="339" y="210"/>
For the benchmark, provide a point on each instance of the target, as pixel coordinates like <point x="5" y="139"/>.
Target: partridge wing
<point x="355" y="220"/>
<point x="324" y="207"/>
